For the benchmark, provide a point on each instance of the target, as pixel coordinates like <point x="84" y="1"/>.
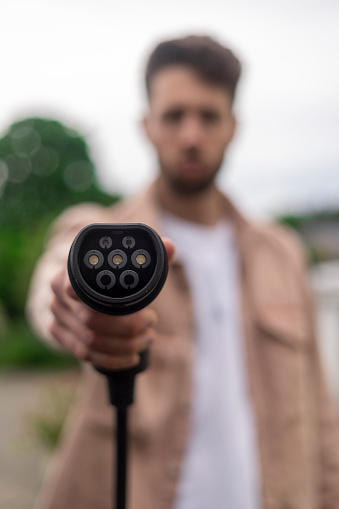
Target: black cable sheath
<point x="121" y="457"/>
<point x="121" y="395"/>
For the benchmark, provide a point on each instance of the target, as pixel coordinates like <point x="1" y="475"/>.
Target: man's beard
<point x="186" y="186"/>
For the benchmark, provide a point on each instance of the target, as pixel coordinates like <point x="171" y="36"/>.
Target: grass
<point x="19" y="348"/>
<point x="46" y="424"/>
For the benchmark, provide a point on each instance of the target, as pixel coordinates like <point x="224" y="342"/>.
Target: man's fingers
<point x="66" y="338"/>
<point x="69" y="340"/>
<point x="125" y="326"/>
<point x="57" y="286"/>
<point x="68" y="317"/>
<point x="70" y="291"/>
<point x="82" y="330"/>
<point x="62" y="288"/>
<point x="119" y="345"/>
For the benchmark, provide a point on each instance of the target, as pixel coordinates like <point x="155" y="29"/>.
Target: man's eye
<point x="173" y="117"/>
<point x="210" y="117"/>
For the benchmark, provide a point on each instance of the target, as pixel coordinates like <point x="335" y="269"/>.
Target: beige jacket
<point x="297" y="430"/>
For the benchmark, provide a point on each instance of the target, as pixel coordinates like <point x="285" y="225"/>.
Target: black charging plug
<point x="118" y="269"/>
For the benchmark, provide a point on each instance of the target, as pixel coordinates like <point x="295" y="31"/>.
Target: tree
<point x="44" y="167"/>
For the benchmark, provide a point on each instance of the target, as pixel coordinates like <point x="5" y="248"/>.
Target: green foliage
<point x="44" y="168"/>
<point x="46" y="424"/>
<point x="293" y="221"/>
<point x="21" y="349"/>
<point x="19" y="249"/>
<point x="298" y="221"/>
<point x="47" y="429"/>
<point x="301" y="222"/>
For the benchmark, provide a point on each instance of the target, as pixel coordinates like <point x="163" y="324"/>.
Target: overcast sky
<point x="82" y="62"/>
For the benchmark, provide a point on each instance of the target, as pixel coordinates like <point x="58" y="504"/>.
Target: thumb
<point x="170" y="248"/>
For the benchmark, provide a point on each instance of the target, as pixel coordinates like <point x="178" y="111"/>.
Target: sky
<point x="81" y="62"/>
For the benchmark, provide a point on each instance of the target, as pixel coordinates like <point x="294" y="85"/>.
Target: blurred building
<point x="322" y="234"/>
<point x="325" y="281"/>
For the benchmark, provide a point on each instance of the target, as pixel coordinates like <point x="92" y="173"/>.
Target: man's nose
<point x="191" y="132"/>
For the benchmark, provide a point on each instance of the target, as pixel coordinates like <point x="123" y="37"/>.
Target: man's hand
<point x="111" y="342"/>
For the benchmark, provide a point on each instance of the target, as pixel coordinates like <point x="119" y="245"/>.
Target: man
<point x="233" y="411"/>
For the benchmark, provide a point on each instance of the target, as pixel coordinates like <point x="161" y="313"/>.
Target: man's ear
<point x="232" y="129"/>
<point x="146" y="123"/>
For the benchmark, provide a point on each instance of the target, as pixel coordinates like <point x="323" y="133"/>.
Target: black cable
<point x="121" y="395"/>
<point x="121" y="457"/>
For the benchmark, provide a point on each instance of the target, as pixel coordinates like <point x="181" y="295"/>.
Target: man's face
<point x="190" y="124"/>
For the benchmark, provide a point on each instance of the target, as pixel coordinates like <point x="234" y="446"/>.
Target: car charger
<point x="118" y="269"/>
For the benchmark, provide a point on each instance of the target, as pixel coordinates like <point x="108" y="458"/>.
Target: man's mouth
<point x="191" y="167"/>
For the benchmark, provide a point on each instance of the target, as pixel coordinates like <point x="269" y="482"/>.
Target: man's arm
<point x="58" y="315"/>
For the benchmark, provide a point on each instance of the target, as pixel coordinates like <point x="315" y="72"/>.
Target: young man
<point x="233" y="411"/>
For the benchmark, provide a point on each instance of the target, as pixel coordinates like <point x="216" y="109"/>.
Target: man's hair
<point x="211" y="61"/>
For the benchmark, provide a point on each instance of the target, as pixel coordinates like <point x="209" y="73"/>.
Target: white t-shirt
<point x="221" y="466"/>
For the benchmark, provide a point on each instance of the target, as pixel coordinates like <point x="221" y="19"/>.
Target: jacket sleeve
<point x="53" y="260"/>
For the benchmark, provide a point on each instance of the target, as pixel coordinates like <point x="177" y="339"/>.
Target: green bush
<point x="21" y="349"/>
<point x="44" y="168"/>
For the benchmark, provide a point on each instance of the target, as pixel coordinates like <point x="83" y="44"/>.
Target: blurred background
<point x="71" y="101"/>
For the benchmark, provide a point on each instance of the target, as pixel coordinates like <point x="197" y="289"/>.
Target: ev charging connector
<point x="118" y="269"/>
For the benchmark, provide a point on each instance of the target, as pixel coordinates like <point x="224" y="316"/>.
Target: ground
<point x="32" y="405"/>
